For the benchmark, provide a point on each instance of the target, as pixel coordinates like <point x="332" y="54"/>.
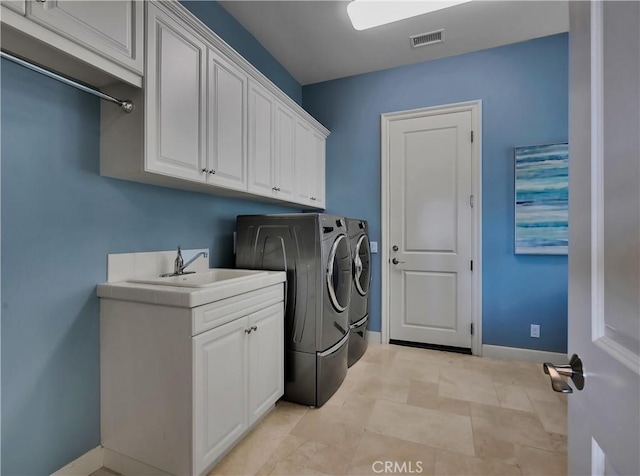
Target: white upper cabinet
<point x="317" y="179"/>
<point x="212" y="122"/>
<point x="19" y="6"/>
<point x="174" y="99"/>
<point x="271" y="145"/>
<point x="284" y="169"/>
<point x="112" y="29"/>
<point x="261" y="140"/>
<point x="226" y="123"/>
<point x="303" y="160"/>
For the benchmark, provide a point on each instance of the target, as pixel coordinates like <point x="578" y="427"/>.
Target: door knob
<point x="574" y="371"/>
<point x="395" y="261"/>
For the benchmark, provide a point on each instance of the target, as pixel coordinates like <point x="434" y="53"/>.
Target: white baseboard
<point x="128" y="466"/>
<point x="526" y="355"/>
<point x="374" y="337"/>
<point x="86" y="464"/>
<point x="99" y="457"/>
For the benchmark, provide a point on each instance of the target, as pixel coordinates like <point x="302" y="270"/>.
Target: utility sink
<point x="202" y="279"/>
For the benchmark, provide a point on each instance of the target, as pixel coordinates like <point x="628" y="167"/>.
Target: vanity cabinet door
<point x="284" y="163"/>
<point x="174" y="98"/>
<point x="266" y="359"/>
<point x="226" y="123"/>
<point x="220" y="364"/>
<point x="261" y="141"/>
<point x="112" y="29"/>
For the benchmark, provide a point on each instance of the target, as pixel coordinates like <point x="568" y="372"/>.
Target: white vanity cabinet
<point x="180" y="386"/>
<point x="69" y="35"/>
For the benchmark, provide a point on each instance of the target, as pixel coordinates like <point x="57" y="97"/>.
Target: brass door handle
<point x="574" y="371"/>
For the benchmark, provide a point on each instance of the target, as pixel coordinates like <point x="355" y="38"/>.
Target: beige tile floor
<point x="454" y="414"/>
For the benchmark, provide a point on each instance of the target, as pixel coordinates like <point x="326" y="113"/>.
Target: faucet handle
<point x="177" y="266"/>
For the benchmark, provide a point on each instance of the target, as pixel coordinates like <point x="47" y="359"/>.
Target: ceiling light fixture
<point x="366" y="14"/>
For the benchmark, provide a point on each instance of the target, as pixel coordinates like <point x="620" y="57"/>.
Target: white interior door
<point x="431" y="228"/>
<point x="604" y="240"/>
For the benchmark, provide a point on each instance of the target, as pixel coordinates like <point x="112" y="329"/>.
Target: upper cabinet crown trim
<point x="211" y="37"/>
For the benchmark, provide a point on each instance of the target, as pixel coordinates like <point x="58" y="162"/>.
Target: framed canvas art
<point x="542" y="199"/>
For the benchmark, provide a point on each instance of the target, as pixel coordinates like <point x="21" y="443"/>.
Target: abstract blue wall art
<point x="542" y="199"/>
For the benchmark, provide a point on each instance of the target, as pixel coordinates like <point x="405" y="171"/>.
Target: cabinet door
<point x="226" y="123"/>
<point x="284" y="169"/>
<point x="317" y="180"/>
<point x="19" y="6"/>
<point x="113" y="29"/>
<point x="266" y="359"/>
<point x="303" y="165"/>
<point x="261" y="135"/>
<point x="220" y="359"/>
<point x="174" y="98"/>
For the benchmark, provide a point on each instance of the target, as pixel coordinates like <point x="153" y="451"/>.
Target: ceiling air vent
<point x="424" y="39"/>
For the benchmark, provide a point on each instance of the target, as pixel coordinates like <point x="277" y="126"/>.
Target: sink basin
<point x="202" y="279"/>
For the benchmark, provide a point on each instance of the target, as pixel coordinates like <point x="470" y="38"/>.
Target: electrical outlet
<point x="535" y="330"/>
<point x="374" y="247"/>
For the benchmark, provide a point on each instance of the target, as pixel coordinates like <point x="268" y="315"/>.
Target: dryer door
<point x="362" y="265"/>
<point x="338" y="273"/>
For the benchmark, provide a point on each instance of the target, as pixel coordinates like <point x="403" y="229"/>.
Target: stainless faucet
<point x="179" y="265"/>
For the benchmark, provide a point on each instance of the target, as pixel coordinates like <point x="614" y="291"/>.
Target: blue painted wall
<point x="60" y="219"/>
<point x="524" y="89"/>
<point x="220" y="21"/>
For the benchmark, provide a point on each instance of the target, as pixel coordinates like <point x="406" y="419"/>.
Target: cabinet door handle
<point x="248" y="331"/>
<point x="205" y="170"/>
<point x="212" y="172"/>
<point x="251" y="329"/>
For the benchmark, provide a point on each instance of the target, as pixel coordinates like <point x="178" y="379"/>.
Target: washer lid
<point x="338" y="272"/>
<point x="362" y="265"/>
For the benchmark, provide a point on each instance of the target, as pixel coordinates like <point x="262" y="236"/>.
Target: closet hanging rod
<point x="125" y="104"/>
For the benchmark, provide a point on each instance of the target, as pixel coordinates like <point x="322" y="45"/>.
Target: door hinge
<point x="471" y="267"/>
<point x="471" y="136"/>
<point x="471" y="328"/>
<point x="471" y="201"/>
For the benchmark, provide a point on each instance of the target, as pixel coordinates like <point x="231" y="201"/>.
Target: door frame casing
<point x="475" y="107"/>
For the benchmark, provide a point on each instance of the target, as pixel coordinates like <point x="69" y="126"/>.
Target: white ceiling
<point x="314" y="40"/>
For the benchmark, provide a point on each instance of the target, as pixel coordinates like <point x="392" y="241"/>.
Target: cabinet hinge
<point x="471" y="201"/>
<point x="471" y="265"/>
<point x="471" y="136"/>
<point x="471" y="328"/>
